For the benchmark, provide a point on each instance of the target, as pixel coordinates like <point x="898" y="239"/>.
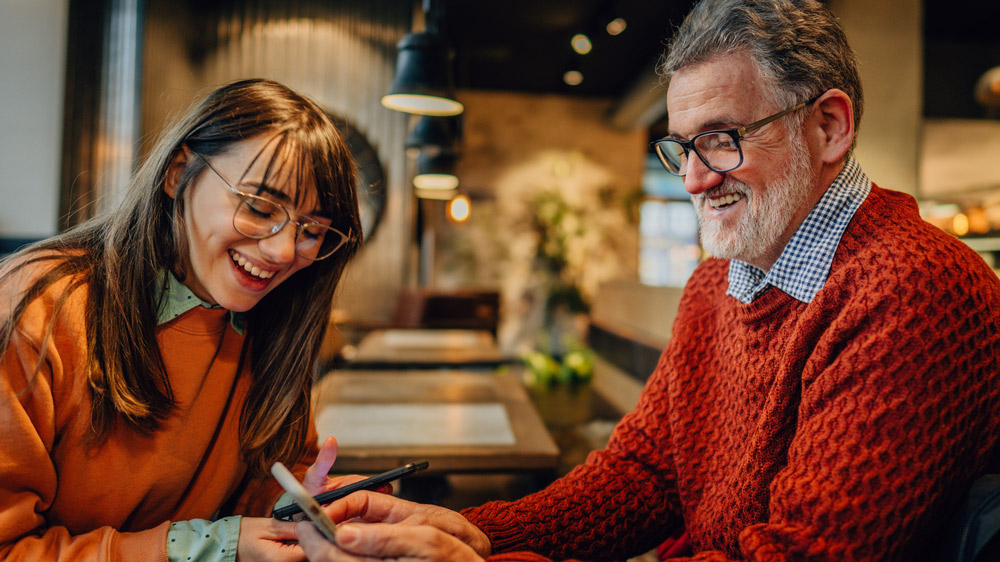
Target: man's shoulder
<point x="889" y="245"/>
<point x="889" y="231"/>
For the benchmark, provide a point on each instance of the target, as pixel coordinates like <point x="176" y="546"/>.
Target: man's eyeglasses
<point x="719" y="150"/>
<point x="258" y="218"/>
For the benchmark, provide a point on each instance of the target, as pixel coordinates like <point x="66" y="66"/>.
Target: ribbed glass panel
<point x="340" y="53"/>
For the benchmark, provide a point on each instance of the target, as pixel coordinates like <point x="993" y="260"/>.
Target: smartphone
<point x="309" y="505"/>
<point x="366" y="484"/>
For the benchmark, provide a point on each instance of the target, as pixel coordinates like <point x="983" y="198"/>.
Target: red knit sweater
<point x="845" y="429"/>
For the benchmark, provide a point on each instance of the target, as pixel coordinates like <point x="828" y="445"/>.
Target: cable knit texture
<point x="846" y="429"/>
<point x="61" y="500"/>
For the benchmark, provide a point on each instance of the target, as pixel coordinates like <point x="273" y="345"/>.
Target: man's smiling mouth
<point x="724" y="200"/>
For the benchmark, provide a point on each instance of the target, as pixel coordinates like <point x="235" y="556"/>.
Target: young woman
<point x="156" y="360"/>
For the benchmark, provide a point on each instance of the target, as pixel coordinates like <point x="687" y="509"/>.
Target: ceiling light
<point x="439" y="194"/>
<point x="459" y="208"/>
<point x="573" y="77"/>
<point x="423" y="83"/>
<point x="988" y="88"/>
<point x="436" y="182"/>
<point x="581" y="44"/>
<point x="436" y="171"/>
<point x="616" y="26"/>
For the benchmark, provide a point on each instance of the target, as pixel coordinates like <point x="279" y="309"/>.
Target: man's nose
<point x="699" y="177"/>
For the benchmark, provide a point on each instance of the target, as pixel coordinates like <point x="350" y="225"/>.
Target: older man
<point x="830" y="389"/>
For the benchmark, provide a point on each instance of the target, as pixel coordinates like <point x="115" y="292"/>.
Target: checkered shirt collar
<point x="804" y="264"/>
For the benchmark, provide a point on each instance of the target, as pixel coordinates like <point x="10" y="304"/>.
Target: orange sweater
<point x="842" y="430"/>
<point x="61" y="500"/>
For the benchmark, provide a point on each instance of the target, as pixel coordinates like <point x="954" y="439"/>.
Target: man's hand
<point x="419" y="532"/>
<point x="377" y="541"/>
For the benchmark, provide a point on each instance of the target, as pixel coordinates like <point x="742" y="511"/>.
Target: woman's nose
<point x="280" y="248"/>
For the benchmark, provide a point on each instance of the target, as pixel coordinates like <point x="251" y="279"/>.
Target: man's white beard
<point x="767" y="214"/>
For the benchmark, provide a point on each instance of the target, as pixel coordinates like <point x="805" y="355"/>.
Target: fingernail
<point x="347" y="535"/>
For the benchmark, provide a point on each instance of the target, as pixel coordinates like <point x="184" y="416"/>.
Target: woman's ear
<point x="175" y="170"/>
<point x="835" y="126"/>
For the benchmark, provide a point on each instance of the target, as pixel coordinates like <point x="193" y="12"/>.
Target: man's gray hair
<point x="798" y="46"/>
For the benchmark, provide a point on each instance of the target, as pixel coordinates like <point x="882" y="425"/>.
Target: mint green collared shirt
<point x="179" y="299"/>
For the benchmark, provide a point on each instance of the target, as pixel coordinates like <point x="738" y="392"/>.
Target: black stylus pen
<point x="366" y="484"/>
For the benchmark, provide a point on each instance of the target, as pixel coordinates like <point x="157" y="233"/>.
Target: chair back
<point x="974" y="533"/>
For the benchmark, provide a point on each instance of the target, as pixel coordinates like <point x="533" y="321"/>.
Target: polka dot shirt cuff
<point x="199" y="540"/>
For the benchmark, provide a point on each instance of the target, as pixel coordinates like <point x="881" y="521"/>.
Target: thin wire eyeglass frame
<point x="276" y="228"/>
<point x="735" y="134"/>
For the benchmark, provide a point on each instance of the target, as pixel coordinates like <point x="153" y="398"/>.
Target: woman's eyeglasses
<point x="258" y="218"/>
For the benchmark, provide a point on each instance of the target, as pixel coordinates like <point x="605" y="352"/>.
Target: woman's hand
<point x="267" y="539"/>
<point x="317" y="480"/>
<point x="419" y="531"/>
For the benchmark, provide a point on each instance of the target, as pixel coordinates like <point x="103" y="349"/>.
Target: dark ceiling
<point x="524" y="46"/>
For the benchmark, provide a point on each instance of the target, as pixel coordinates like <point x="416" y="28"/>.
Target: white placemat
<point x="416" y="424"/>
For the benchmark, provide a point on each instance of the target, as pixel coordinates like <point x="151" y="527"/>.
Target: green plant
<point x="574" y="365"/>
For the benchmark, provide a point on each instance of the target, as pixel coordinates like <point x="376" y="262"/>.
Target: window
<point x="668" y="229"/>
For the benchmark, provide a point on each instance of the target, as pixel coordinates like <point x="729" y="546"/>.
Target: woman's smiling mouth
<point x="248" y="267"/>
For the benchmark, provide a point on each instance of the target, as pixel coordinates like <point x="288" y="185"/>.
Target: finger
<point x="317" y="548"/>
<point x="315" y="477"/>
<point x="401" y="541"/>
<point x="312" y="542"/>
<point x="370" y="506"/>
<point x="334" y="482"/>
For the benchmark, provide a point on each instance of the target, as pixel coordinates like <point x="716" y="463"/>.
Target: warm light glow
<point x="581" y="44"/>
<point x="459" y="208"/>
<point x="435" y="181"/>
<point x="960" y="225"/>
<point x="573" y="77"/>
<point x="616" y="26"/>
<point x="441" y="194"/>
<point x="422" y="105"/>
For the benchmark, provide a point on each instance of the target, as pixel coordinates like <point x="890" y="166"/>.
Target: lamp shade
<point x="436" y="171"/>
<point x="423" y="83"/>
<point x="431" y="131"/>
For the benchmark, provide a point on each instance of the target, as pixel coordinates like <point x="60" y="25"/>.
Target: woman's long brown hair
<point x="120" y="255"/>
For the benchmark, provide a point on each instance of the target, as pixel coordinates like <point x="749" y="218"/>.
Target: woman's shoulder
<point x="45" y="277"/>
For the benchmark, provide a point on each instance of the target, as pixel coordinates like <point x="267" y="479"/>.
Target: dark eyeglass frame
<point x="300" y="227"/>
<point x="736" y="134"/>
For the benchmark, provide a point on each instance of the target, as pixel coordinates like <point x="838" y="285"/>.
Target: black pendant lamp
<point x="436" y="171"/>
<point x="436" y="140"/>
<point x="430" y="132"/>
<point x="423" y="82"/>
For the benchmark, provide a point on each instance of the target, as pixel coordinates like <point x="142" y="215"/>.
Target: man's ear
<point x="834" y="125"/>
<point x="175" y="170"/>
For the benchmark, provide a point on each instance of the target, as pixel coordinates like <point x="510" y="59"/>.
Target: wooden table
<point x="417" y="348"/>
<point x="460" y="421"/>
